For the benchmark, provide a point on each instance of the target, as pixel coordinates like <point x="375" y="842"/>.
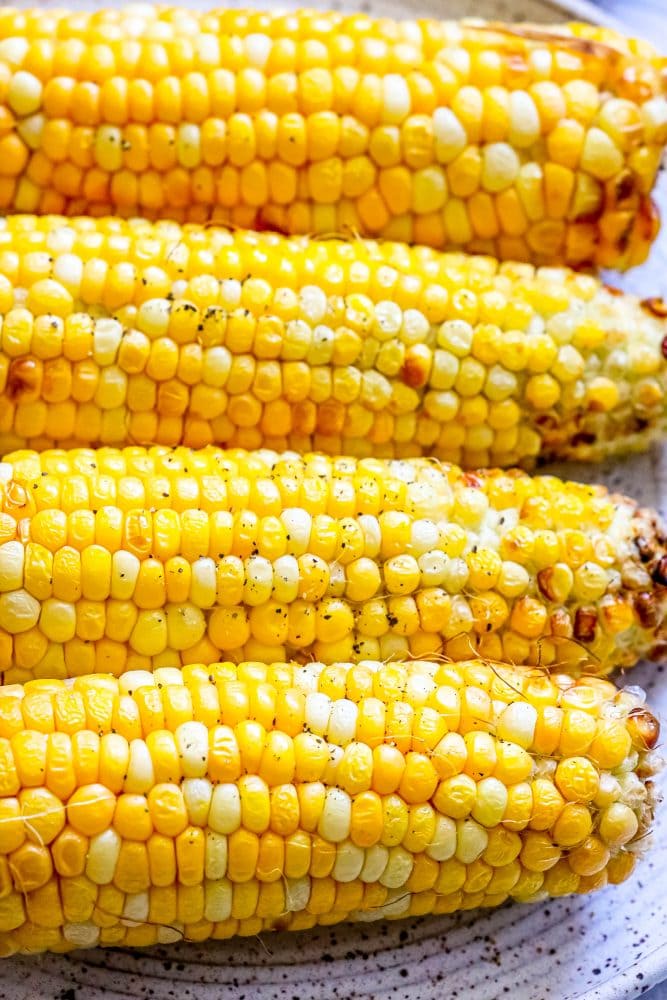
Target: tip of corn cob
<point x="650" y="543"/>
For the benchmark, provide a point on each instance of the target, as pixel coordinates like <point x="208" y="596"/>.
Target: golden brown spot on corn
<point x="132" y="560"/>
<point x="345" y="348"/>
<point x="643" y="728"/>
<point x="208" y="828"/>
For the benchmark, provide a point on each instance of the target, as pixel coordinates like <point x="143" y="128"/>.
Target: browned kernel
<point x="644" y="728"/>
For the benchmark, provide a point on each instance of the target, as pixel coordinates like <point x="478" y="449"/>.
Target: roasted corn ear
<point x="123" y="560"/>
<point x="513" y="140"/>
<point x="132" y="333"/>
<point x="233" y="799"/>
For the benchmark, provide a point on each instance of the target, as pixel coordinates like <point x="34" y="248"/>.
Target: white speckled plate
<point x="610" y="946"/>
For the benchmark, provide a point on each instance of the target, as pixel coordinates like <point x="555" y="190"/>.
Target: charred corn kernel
<point x="196" y="365"/>
<point x="433" y="568"/>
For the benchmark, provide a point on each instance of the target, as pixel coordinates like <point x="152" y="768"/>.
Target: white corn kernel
<point x="297" y="893"/>
<point x="215" y="866"/>
<point x="135" y="679"/>
<point x="306" y="678"/>
<point x="225" y="812"/>
<point x="192" y="744"/>
<point x="103" y="851"/>
<point x="24" y="94"/>
<point x="197" y="793"/>
<point x="472" y="840"/>
<point x="82" y="935"/>
<point x="517" y="724"/>
<point x="170" y="934"/>
<point x="443" y="845"/>
<point x="375" y="863"/>
<point x="124" y="574"/>
<point x="107" y="336"/>
<point x="342" y="722"/>
<point x="257" y="49"/>
<point x="450" y="135"/>
<point x="397" y="102"/>
<point x="135" y="908"/>
<point x="285" y="579"/>
<point x="218" y="898"/>
<point x="298" y="524"/>
<point x="12" y="556"/>
<point x="153" y="317"/>
<point x="398" y="869"/>
<point x="313" y="303"/>
<point x="335" y="821"/>
<point x="168" y="677"/>
<point x="524" y="119"/>
<point x="349" y="862"/>
<point x="203" y="583"/>
<point x="491" y="802"/>
<point x="317" y="712"/>
<point x="140" y="771"/>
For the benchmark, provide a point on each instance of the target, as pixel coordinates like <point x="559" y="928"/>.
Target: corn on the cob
<point x="519" y="141"/>
<point x="225" y="799"/>
<point x="127" y="332"/>
<point x="121" y="560"/>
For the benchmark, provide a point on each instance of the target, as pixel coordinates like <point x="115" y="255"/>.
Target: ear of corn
<point x="116" y="332"/>
<point x="231" y="799"/>
<point x="122" y="560"/>
<point x="511" y="140"/>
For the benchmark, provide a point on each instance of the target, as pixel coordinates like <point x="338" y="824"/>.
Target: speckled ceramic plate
<point x="609" y="946"/>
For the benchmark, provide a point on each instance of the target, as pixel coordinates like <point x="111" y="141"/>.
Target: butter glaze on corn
<point x="232" y="799"/>
<point x="121" y="560"/>
<point x="517" y="141"/>
<point x="126" y="332"/>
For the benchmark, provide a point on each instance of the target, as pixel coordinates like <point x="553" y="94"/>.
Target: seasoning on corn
<point x="518" y="141"/>
<point x="232" y="799"/>
<point x="123" y="560"/>
<point x="126" y="332"/>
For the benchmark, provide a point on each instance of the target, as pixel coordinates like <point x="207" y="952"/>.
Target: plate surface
<point x="609" y="946"/>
